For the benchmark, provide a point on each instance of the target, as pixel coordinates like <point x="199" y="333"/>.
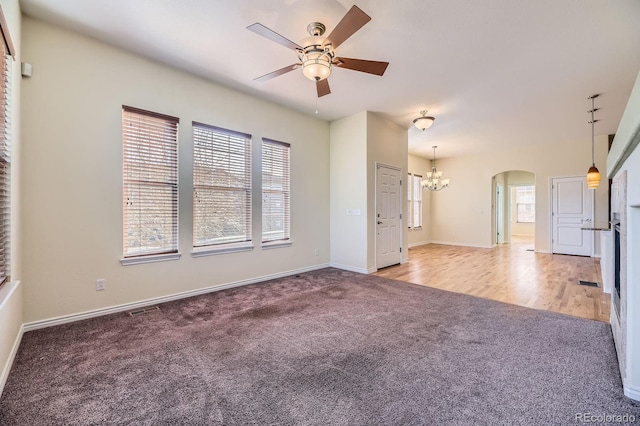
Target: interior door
<point x="571" y="209"/>
<point x="388" y="218"/>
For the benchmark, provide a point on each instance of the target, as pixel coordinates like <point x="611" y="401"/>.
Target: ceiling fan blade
<point x="350" y="23"/>
<point x="323" y="87"/>
<point x="362" y="65"/>
<point x="277" y="72"/>
<point x="273" y="36"/>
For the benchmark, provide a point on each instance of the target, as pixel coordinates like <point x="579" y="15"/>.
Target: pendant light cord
<point x="593" y="149"/>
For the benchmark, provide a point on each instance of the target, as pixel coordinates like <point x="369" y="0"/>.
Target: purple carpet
<point x="327" y="347"/>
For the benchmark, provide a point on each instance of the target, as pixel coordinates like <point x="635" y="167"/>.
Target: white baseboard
<point x="420" y="243"/>
<point x="352" y="268"/>
<point x="447" y="243"/>
<point x="632" y="392"/>
<point x="153" y="301"/>
<point x="12" y="355"/>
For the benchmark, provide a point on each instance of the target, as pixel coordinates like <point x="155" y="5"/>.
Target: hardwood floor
<point x="509" y="273"/>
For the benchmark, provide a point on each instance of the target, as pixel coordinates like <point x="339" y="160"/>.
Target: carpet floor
<point x="327" y="347"/>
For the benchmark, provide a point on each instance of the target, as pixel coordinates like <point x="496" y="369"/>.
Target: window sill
<point x="149" y="259"/>
<point x="212" y="251"/>
<point x="276" y="244"/>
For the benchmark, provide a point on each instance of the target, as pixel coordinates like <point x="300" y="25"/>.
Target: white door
<point x="388" y="220"/>
<point x="571" y="209"/>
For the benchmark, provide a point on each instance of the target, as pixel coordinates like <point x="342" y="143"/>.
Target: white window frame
<point x="150" y="149"/>
<point x="7" y="51"/>
<point x="219" y="153"/>
<point x="276" y="181"/>
<point x="523" y="191"/>
<point x="414" y="200"/>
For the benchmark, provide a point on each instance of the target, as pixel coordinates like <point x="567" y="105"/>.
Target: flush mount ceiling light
<point x="434" y="181"/>
<point x="424" y="122"/>
<point x="593" y="175"/>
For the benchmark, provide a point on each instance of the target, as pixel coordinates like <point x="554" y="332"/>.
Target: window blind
<point x="275" y="191"/>
<point x="5" y="160"/>
<point x="526" y="204"/>
<point x="417" y="201"/>
<point x="221" y="186"/>
<point x="150" y="176"/>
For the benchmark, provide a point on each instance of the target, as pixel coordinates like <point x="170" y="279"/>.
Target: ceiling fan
<point x="317" y="57"/>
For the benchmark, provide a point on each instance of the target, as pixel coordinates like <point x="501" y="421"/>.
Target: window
<point x="526" y="203"/>
<point x="414" y="201"/>
<point x="275" y="191"/>
<point x="221" y="188"/>
<point x="409" y="200"/>
<point x="417" y="201"/>
<point x="6" y="51"/>
<point x="150" y="168"/>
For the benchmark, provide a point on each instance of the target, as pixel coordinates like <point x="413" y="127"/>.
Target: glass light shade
<point x="423" y="123"/>
<point x="316" y="65"/>
<point x="429" y="174"/>
<point x="439" y="174"/>
<point x="593" y="177"/>
<point x="445" y="182"/>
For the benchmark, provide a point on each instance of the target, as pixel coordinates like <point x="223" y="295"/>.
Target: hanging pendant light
<point x="434" y="181"/>
<point x="593" y="175"/>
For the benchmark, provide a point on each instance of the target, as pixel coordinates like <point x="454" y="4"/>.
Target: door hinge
<point x="400" y="249"/>
<point x="400" y="215"/>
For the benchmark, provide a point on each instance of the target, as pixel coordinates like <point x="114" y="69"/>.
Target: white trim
<point x="149" y="259"/>
<point x="176" y="296"/>
<point x="213" y="250"/>
<point x="419" y="243"/>
<point x="352" y="268"/>
<point x="276" y="244"/>
<point x="447" y="243"/>
<point x="632" y="392"/>
<point x="12" y="356"/>
<point x="11" y="285"/>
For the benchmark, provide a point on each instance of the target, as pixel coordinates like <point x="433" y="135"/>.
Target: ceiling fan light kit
<point x="593" y="175"/>
<point x="424" y="122"/>
<point x="317" y="57"/>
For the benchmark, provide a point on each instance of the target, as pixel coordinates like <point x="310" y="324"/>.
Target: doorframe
<point x="402" y="200"/>
<point x="592" y="207"/>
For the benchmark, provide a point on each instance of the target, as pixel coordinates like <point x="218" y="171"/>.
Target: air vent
<point x="143" y="311"/>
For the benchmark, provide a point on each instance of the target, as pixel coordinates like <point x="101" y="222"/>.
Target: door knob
<point x="379" y="223"/>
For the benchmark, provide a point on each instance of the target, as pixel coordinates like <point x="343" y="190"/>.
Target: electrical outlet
<point x="100" y="284"/>
<point x="316" y="252"/>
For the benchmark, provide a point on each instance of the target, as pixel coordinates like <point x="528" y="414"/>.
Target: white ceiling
<point x="494" y="73"/>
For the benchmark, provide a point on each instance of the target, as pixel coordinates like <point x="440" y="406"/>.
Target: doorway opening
<point x="514" y="209"/>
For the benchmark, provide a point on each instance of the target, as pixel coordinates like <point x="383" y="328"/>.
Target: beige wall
<point x="462" y="214"/>
<point x="420" y="165"/>
<point x="11" y="313"/>
<point x="72" y="181"/>
<point x="348" y="155"/>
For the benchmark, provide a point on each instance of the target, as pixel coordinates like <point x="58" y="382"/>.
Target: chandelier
<point x="434" y="181"/>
